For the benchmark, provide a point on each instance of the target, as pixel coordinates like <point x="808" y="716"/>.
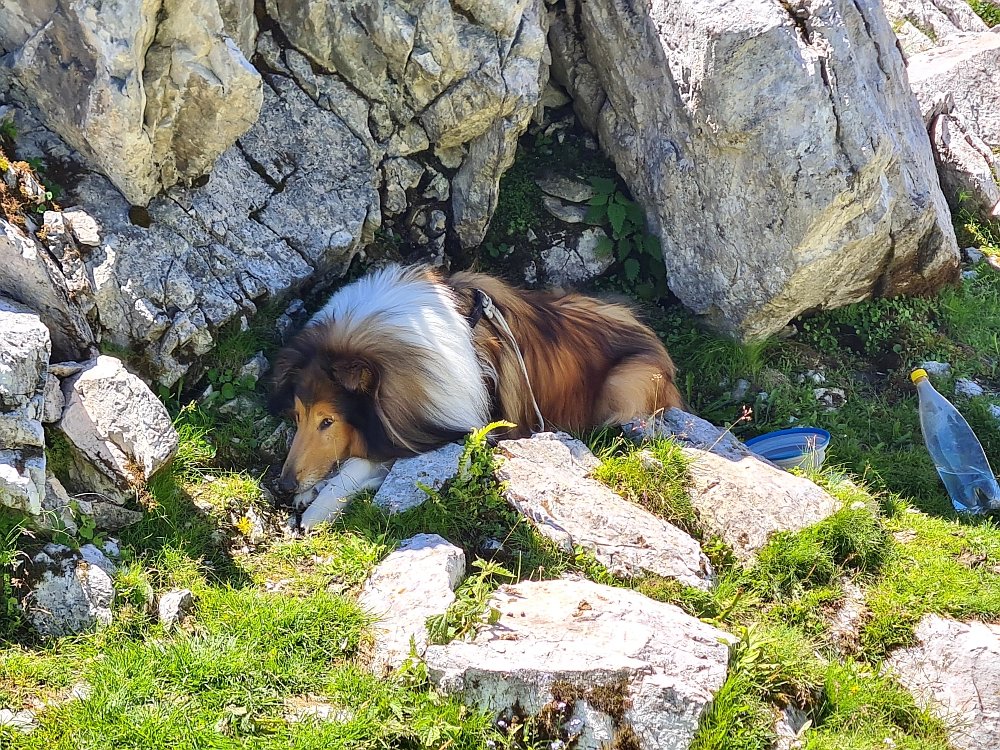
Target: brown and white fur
<point x="391" y="367"/>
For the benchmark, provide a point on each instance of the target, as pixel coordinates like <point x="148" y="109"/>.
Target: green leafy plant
<point x="470" y="607"/>
<point x="8" y="130"/>
<point x="638" y="253"/>
<point x="227" y="385"/>
<point x="498" y="251"/>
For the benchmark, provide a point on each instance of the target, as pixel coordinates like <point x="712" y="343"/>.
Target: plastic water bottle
<point x="956" y="452"/>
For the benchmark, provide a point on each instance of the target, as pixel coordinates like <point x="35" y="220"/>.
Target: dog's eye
<point x="326" y="423"/>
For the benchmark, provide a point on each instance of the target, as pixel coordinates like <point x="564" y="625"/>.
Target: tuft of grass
<point x="658" y="485"/>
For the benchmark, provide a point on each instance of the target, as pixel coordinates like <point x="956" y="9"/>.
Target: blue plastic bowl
<point x="802" y="447"/>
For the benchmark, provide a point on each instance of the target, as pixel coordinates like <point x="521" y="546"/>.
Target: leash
<point x="484" y="307"/>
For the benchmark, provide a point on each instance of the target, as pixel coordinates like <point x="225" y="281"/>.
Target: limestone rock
<point x="174" y="606"/>
<point x="567" y="212"/>
<point x="689" y="430"/>
<point x="577" y="260"/>
<point x="739" y="497"/>
<point x="413" y="583"/>
<point x="567" y="188"/>
<point x="966" y="167"/>
<point x="29" y="275"/>
<point x="800" y="130"/>
<point x="550" y="486"/>
<point x="435" y="75"/>
<point x="912" y="39"/>
<point x="399" y="492"/>
<point x="940" y="18"/>
<point x="294" y="199"/>
<point x="69" y="591"/>
<point x="617" y="660"/>
<point x="954" y="671"/>
<point x="53" y="400"/>
<point x="24" y="359"/>
<point x="158" y="91"/>
<point x="969" y="71"/>
<point x="119" y="431"/>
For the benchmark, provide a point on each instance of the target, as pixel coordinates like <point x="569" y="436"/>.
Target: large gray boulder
<point x="24" y="362"/>
<point x="156" y="91"/>
<point x="954" y="671"/>
<point x="778" y="152"/>
<point x="968" y="168"/>
<point x="602" y="663"/>
<point x="295" y="200"/>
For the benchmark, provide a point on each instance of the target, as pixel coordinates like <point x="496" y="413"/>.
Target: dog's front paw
<point x="328" y="506"/>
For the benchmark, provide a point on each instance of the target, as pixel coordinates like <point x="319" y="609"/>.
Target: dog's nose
<point x="287" y="483"/>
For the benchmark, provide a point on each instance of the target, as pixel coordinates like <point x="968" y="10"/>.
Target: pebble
<point x="968" y="388"/>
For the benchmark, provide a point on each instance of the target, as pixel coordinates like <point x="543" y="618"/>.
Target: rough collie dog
<point x="404" y="361"/>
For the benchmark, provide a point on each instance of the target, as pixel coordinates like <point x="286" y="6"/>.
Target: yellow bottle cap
<point x="918" y="374"/>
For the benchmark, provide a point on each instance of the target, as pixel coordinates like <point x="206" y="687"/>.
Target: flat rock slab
<point x="415" y="582"/>
<point x="547" y="480"/>
<point x="400" y="491"/>
<point x="689" y="430"/>
<point x="120" y="432"/>
<point x="737" y="495"/>
<point x="954" y="671"/>
<point x="580" y="643"/>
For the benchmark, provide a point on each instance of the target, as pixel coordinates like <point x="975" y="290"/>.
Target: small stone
<point x="438" y="221"/>
<point x="573" y="265"/>
<point x="936" y="369"/>
<point x="413" y="583"/>
<point x="970" y="275"/>
<point x="400" y="491"/>
<point x="968" y="388"/>
<point x="69" y="591"/>
<point x="54" y="400"/>
<point x="438" y="189"/>
<point x="83" y="226"/>
<point x="553" y="96"/>
<point x="995" y="412"/>
<point x="256" y="367"/>
<point x="831" y="398"/>
<point x="174" y="606"/>
<point x="24" y="720"/>
<point x="530" y="271"/>
<point x="972" y="255"/>
<point x="451" y="157"/>
<point x="848" y="619"/>
<point x="569" y="213"/>
<point x="567" y="188"/>
<point x="739" y="391"/>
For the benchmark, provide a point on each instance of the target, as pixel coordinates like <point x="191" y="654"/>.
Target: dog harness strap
<point x="492" y="313"/>
<point x="476" y="314"/>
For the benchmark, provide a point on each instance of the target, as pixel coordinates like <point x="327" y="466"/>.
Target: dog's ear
<point x="355" y="375"/>
<point x="286" y="369"/>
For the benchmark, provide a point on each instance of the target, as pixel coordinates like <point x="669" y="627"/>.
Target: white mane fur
<point x="403" y="305"/>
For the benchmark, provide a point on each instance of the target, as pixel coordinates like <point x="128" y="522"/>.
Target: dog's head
<point x="331" y="395"/>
